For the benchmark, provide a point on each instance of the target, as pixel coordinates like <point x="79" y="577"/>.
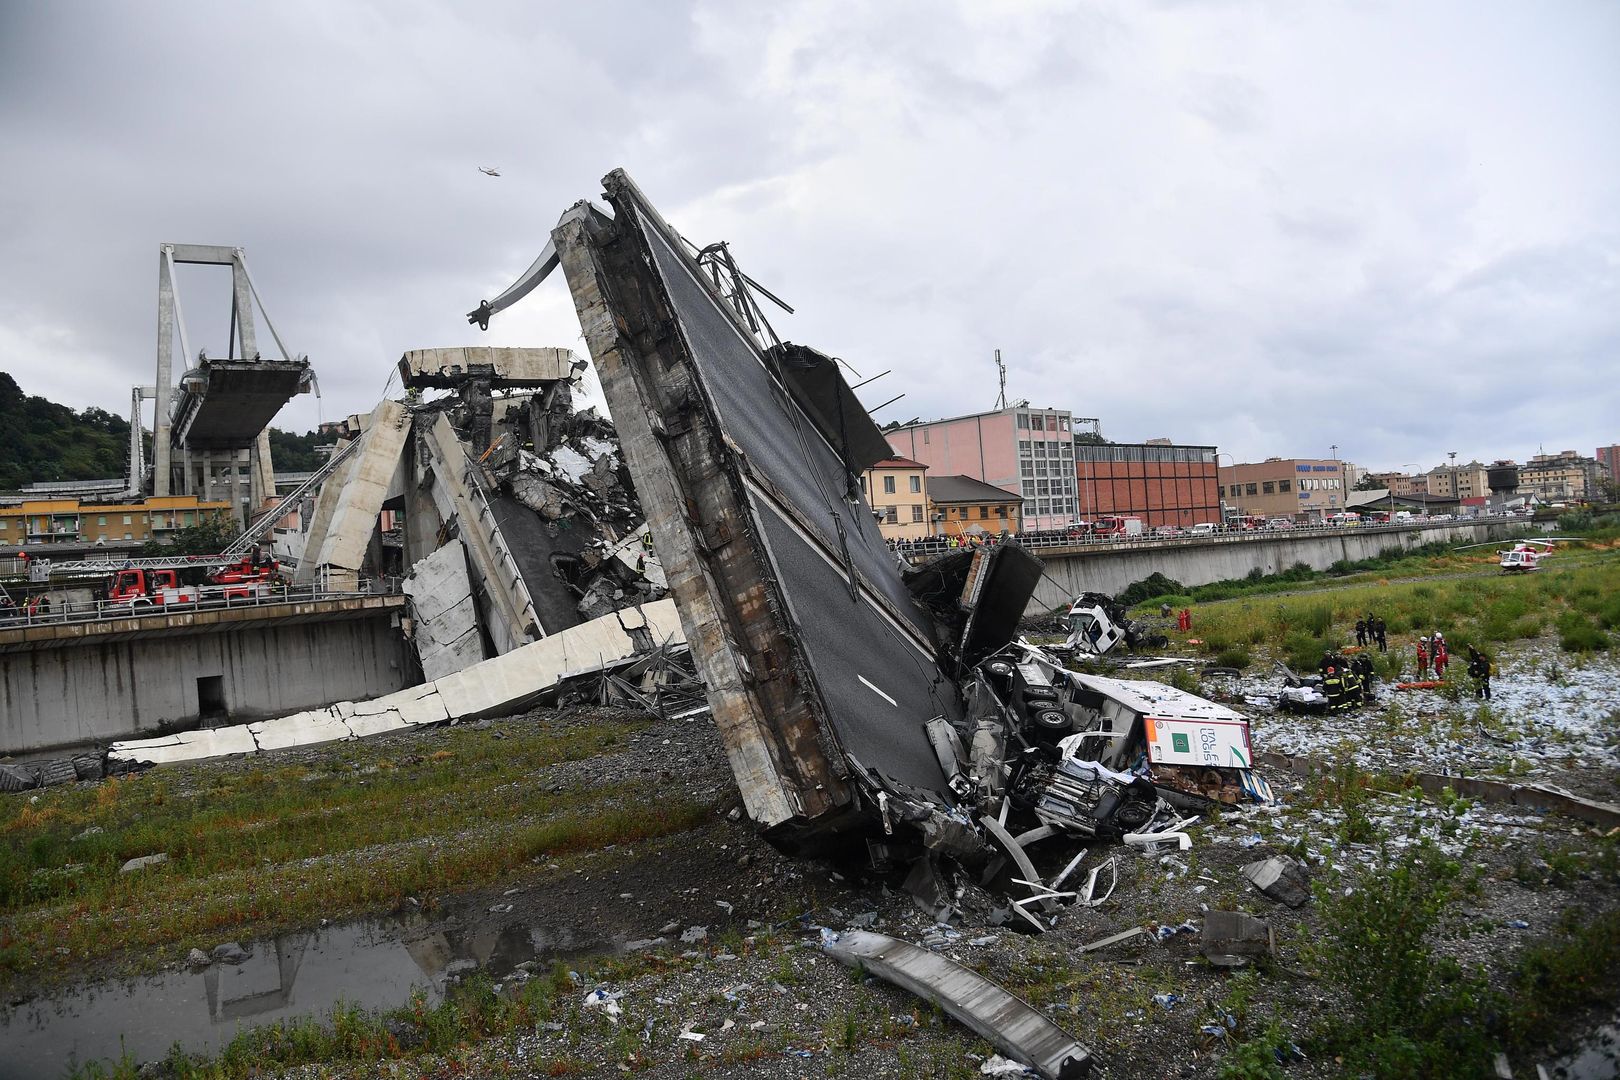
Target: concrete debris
<point x="198" y="958"/>
<point x="1115" y="939"/>
<point x="444" y="612"/>
<point x="498" y="686"/>
<point x="143" y="862"/>
<point x="1005" y="1021"/>
<point x="1233" y="939"/>
<point x="1281" y="878"/>
<point x="852" y="695"/>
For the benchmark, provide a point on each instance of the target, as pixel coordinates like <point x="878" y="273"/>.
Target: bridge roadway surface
<point x="1109" y="566"/>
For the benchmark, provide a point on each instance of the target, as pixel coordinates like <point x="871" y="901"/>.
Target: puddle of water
<point x="374" y="964"/>
<point x="1597" y="1058"/>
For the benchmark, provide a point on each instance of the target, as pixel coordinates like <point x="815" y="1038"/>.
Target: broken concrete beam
<point x="320" y="519"/>
<point x="1280" y="878"/>
<point x="495" y="687"/>
<point x="817" y="660"/>
<point x="1004" y="1020"/>
<point x="503" y="368"/>
<point x="343" y="549"/>
<point x="188" y="745"/>
<point x="506" y="607"/>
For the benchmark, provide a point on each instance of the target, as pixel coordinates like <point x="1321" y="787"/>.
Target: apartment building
<point x="897" y="491"/>
<point x="1024" y="450"/>
<point x="1562" y="477"/>
<point x="68" y="521"/>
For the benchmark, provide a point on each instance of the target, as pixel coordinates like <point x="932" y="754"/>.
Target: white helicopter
<point x="1524" y="556"/>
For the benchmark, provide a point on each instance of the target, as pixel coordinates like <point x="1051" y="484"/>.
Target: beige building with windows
<point x="897" y="491"/>
<point x="1562" y="477"/>
<point x="1284" y="487"/>
<point x="964" y="505"/>
<point x="67" y="521"/>
<point x="1399" y="483"/>
<point x="1457" y="481"/>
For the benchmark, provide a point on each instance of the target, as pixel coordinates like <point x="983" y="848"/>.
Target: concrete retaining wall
<point x="107" y="690"/>
<point x="1110" y="568"/>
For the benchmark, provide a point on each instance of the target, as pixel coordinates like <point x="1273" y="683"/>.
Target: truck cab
<point x="146" y="588"/>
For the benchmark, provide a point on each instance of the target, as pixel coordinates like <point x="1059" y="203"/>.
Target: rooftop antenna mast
<point x="1001" y="370"/>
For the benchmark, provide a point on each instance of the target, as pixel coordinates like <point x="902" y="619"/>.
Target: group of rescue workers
<point x="1346" y="682"/>
<point x="1370" y="630"/>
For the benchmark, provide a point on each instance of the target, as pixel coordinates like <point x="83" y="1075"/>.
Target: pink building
<point x="1024" y="450"/>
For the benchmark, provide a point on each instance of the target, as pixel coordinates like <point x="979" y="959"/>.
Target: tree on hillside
<point x="296" y="453"/>
<point x="42" y="441"/>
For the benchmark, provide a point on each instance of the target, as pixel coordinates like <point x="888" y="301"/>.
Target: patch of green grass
<point x="264" y="846"/>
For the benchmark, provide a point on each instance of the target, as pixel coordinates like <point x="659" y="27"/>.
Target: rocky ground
<point x="724" y="933"/>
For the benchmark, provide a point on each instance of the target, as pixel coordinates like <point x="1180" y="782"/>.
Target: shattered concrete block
<point x="13" y="778"/>
<point x="143" y="862"/>
<point x="187" y="745"/>
<point x="1232" y="939"/>
<point x="299" y="729"/>
<point x="446" y="632"/>
<point x="1280" y="878"/>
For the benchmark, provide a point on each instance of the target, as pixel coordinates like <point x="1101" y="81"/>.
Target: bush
<point x="1577" y="634"/>
<point x="1151" y="587"/>
<point x="1413" y="1012"/>
<point x="1234" y="656"/>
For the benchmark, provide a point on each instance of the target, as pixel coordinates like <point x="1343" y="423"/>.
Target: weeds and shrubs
<point x="1152" y="587"/>
<point x="1412" y="1010"/>
<point x="1579" y="634"/>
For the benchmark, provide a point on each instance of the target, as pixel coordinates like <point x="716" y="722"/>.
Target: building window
<point x="916" y="485"/>
<point x="1285" y="486"/>
<point x="126" y="522"/>
<point x="1001" y="511"/>
<point x="916" y="513"/>
<point x="1251" y="489"/>
<point x="889" y="515"/>
<point x="1024" y="447"/>
<point x="888" y="485"/>
<point x="1026" y="468"/>
<point x="1023" y="421"/>
<point x="1221" y="491"/>
<point x="863" y="485"/>
<point x="984" y="513"/>
<point x="101" y="519"/>
<point x="127" y="536"/>
<point x="1268" y="488"/>
<point x="925" y="437"/>
<point x="1038" y="423"/>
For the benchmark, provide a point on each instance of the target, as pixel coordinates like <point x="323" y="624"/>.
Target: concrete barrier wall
<point x="121" y="689"/>
<point x="1109" y="569"/>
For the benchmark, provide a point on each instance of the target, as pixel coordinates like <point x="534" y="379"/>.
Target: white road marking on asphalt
<point x="878" y="692"/>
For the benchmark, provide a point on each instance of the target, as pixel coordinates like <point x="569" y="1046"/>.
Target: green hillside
<point x="41" y="440"/>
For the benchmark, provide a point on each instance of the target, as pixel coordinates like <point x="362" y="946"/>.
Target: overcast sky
<point x="1272" y="226"/>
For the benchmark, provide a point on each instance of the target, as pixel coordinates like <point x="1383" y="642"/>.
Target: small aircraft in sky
<point x="487" y="171"/>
